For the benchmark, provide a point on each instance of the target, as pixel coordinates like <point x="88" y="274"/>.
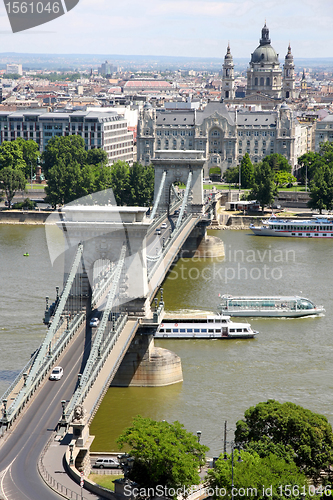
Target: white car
<point x="110" y="463"/>
<point x="94" y="322"/>
<point x="164" y="225"/>
<point x="56" y="373"/>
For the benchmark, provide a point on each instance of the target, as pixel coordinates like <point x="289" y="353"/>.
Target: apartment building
<point x="105" y="130"/>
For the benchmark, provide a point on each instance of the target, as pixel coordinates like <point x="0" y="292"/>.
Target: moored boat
<point x="318" y="227"/>
<point x="207" y="327"/>
<point x="274" y="307"/>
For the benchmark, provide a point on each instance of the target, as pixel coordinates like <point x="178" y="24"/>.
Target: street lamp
<point x="232" y="444"/>
<point x="198" y="436"/>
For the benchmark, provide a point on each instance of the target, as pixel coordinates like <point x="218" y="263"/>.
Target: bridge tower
<point x="174" y="167"/>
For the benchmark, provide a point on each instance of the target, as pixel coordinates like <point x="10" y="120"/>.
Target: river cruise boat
<point x="208" y="327"/>
<point x="274" y="307"/>
<point x="319" y="227"/>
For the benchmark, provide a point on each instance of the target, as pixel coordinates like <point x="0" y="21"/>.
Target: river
<point x="290" y="359"/>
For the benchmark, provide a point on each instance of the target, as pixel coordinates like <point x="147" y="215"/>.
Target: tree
<point x="283" y="178"/>
<point x="309" y="434"/>
<point x="65" y="183"/>
<point x="97" y="156"/>
<point x="277" y="162"/>
<point x="141" y="181"/>
<point x="321" y="189"/>
<point x="31" y="154"/>
<point x="264" y="189"/>
<point x="11" y="180"/>
<point x="11" y="156"/>
<point x="247" y="172"/>
<point x="69" y="148"/>
<point x="120" y="182"/>
<point x="231" y="175"/>
<point x="256" y="477"/>
<point x="164" y="454"/>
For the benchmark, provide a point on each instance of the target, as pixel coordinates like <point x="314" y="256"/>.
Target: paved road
<point x="19" y="453"/>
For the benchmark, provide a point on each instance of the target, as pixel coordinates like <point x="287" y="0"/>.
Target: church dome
<point x="264" y="53"/>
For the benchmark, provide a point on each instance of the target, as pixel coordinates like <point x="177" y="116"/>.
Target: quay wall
<point x="23" y="216"/>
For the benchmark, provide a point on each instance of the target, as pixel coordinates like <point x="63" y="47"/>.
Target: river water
<point x="290" y="359"/>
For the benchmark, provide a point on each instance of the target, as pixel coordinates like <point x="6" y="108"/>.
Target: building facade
<point x="324" y="131"/>
<point x="105" y="130"/>
<point x="224" y="135"/>
<point x="264" y="75"/>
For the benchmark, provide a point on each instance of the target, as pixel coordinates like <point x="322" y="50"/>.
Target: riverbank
<point x="24" y="216"/>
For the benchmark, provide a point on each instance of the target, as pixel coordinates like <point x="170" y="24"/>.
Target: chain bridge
<point x="116" y="258"/>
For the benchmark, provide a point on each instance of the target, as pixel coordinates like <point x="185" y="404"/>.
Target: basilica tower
<point x="288" y="85"/>
<point x="228" y="76"/>
<point x="264" y="74"/>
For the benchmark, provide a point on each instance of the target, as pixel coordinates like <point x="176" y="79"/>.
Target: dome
<point x="265" y="54"/>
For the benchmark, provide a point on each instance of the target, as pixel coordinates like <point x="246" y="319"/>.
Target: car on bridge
<point x="94" y="322"/>
<point x="56" y="373"/>
<point x="158" y="231"/>
<point x="164" y="225"/>
<point x="107" y="463"/>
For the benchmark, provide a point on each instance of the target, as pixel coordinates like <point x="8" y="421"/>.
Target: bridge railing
<point x="169" y="244"/>
<point x="83" y="389"/>
<point x="160" y="219"/>
<point x="30" y="387"/>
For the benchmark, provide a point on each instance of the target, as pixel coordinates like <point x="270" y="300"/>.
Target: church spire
<point x="265" y="40"/>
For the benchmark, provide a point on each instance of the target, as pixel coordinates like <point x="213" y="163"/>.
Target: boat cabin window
<point x="196" y="330"/>
<point x="210" y="321"/>
<point x="204" y="330"/>
<point x="182" y="330"/>
<point x="190" y="330"/>
<point x="210" y="331"/>
<point x="232" y="330"/>
<point x="175" y="330"/>
<point x="168" y="330"/>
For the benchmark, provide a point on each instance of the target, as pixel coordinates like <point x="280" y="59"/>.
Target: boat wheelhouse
<point x="274" y="307"/>
<point x="208" y="327"/>
<point x="318" y="227"/>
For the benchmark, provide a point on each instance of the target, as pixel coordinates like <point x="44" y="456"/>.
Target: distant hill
<point x="135" y="62"/>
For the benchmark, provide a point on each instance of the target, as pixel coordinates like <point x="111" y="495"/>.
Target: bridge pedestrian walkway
<point x="51" y="464"/>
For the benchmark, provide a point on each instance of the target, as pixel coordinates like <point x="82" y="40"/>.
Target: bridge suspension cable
<point x="99" y="342"/>
<point x="58" y="314"/>
<point x="158" y="195"/>
<point x="187" y="190"/>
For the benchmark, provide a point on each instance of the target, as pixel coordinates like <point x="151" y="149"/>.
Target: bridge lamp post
<point x="232" y="467"/>
<point x="4" y="411"/>
<point x="71" y="461"/>
<point x="63" y="404"/>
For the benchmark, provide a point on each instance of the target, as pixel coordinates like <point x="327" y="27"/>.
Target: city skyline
<point x="196" y="28"/>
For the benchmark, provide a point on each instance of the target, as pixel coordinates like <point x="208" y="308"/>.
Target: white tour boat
<point x="318" y="227"/>
<point x="274" y="307"/>
<point x="208" y="327"/>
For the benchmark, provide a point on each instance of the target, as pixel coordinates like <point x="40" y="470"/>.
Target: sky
<point x="188" y="28"/>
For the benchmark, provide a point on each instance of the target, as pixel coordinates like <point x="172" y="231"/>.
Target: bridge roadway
<point x="22" y="445"/>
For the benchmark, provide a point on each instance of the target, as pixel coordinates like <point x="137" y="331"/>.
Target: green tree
<point x="65" y="183"/>
<point x="256" y="477"/>
<point x="264" y="189"/>
<point x="283" y="178"/>
<point x="231" y="175"/>
<point x="69" y="148"/>
<point x="31" y="155"/>
<point x="277" y="162"/>
<point x="309" y="434"/>
<point x="120" y="182"/>
<point x="247" y="172"/>
<point x="164" y="454"/>
<point x="11" y="181"/>
<point x="321" y="189"/>
<point x="141" y="181"/>
<point x="11" y="155"/>
<point x="97" y="156"/>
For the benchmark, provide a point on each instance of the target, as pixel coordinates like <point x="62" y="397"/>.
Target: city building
<point x="324" y="131"/>
<point x="105" y="130"/>
<point x="224" y="134"/>
<point x="14" y="69"/>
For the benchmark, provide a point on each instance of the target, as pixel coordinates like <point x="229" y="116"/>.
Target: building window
<point x="166" y="132"/>
<point x="268" y="82"/>
<point x="174" y="132"/>
<point x="264" y="133"/>
<point x="272" y="133"/>
<point x="158" y="132"/>
<point x="240" y="133"/>
<point x="256" y="133"/>
<point x="248" y="132"/>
